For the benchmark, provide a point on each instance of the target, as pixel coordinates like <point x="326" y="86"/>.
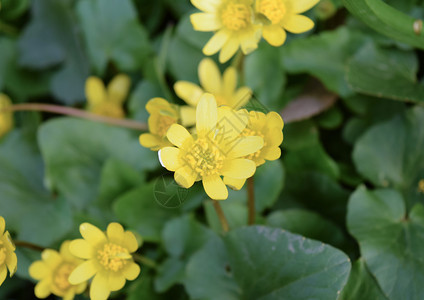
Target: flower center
<point x="61" y="276"/>
<point x="250" y="132"/>
<point x="274" y="10"/>
<point x="235" y="16"/>
<point x="163" y="124"/>
<point x="204" y="158"/>
<point x="2" y="253"/>
<point x="113" y="257"/>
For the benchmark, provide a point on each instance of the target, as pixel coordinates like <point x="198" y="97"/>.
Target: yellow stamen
<point x="235" y="16"/>
<point x="61" y="276"/>
<point x="113" y="257"/>
<point x="274" y="10"/>
<point x="204" y="158"/>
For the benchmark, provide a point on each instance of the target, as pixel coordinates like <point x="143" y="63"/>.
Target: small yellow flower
<point x="269" y="127"/>
<point x="224" y="89"/>
<point x="6" y="118"/>
<point x="421" y="186"/>
<point x="232" y="20"/>
<point x="215" y="151"/>
<point x="282" y="15"/>
<point x="108" y="258"/>
<point x="162" y="115"/>
<point x="107" y="102"/>
<point x="8" y="259"/>
<point x="53" y="272"/>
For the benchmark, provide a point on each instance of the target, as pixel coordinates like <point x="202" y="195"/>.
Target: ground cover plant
<point x="211" y="149"/>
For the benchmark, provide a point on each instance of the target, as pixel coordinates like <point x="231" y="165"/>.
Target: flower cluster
<point x="241" y="23"/>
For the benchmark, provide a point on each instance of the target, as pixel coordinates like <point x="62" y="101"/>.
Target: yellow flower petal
<point x="230" y="125"/>
<point x="92" y="234"/>
<point x="116" y="281"/>
<point x="118" y="88"/>
<point x="188" y="91"/>
<point x="115" y="233"/>
<point x="2" y="225"/>
<point x="205" y="22"/>
<point x="185" y="176"/>
<point x="229" y="81"/>
<point x="238" y="168"/>
<point x="228" y="50"/>
<point x="95" y="90"/>
<point x="81" y="248"/>
<point x="99" y="288"/>
<point x="42" y="289"/>
<point x="83" y="272"/>
<point x="215" y="187"/>
<point x="38" y="270"/>
<point x="274" y="137"/>
<point x="274" y="35"/>
<point x="241" y="97"/>
<point x="132" y="271"/>
<point x="300" y="6"/>
<point x="3" y="273"/>
<point x="297" y="23"/>
<point x="169" y="158"/>
<point x="249" y="41"/>
<point x="216" y="42"/>
<point x="130" y="242"/>
<point x="51" y="257"/>
<point x="245" y="146"/>
<point x="178" y="135"/>
<point x="188" y="116"/>
<point x="271" y="153"/>
<point x="235" y="184"/>
<point x="206" y="5"/>
<point x="154" y="142"/>
<point x="210" y="76"/>
<point x="206" y="114"/>
<point x="12" y="263"/>
<point x="158" y="105"/>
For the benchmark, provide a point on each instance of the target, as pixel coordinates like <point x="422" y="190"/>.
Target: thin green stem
<point x="63" y="110"/>
<point x="28" y="245"/>
<point x="251" y="200"/>
<point x="221" y="216"/>
<point x="145" y="261"/>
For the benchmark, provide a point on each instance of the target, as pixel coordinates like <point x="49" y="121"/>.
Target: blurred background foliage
<point x="350" y="91"/>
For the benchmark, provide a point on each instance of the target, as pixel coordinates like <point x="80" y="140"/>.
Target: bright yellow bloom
<point x="282" y="15"/>
<point x="162" y="115"/>
<point x="53" y="272"/>
<point x="233" y="22"/>
<point x="107" y="102"/>
<point x="216" y="151"/>
<point x="6" y="118"/>
<point x="269" y="127"/>
<point x="8" y="259"/>
<point x="224" y="89"/>
<point x="108" y="258"/>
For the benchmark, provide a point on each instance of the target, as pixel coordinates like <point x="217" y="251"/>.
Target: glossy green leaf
<point x="391" y="240"/>
<point x="259" y="263"/>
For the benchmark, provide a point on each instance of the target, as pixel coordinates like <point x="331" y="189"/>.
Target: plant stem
<point x="221" y="216"/>
<point x="28" y="245"/>
<point x="251" y="200"/>
<point x="145" y="261"/>
<point x="63" y="110"/>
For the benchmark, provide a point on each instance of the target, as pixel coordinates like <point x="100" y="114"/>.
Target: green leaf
<point x="390" y="154"/>
<point x="13" y="9"/>
<point x="125" y="43"/>
<point x="259" y="263"/>
<point x="385" y="73"/>
<point x="386" y="20"/>
<point x="308" y="224"/>
<point x="391" y="241"/>
<point x="361" y="285"/>
<point x="75" y="150"/>
<point x="324" y="56"/>
<point x="50" y="39"/>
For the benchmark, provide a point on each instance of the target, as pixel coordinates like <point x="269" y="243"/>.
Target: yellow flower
<point x="216" y="150"/>
<point x="8" y="259"/>
<point x="108" y="258"/>
<point x="233" y="22"/>
<point x="53" y="272"/>
<point x="162" y="115"/>
<point x="269" y="127"/>
<point x="224" y="88"/>
<point x="6" y="118"/>
<point x="282" y="15"/>
<point x="108" y="103"/>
